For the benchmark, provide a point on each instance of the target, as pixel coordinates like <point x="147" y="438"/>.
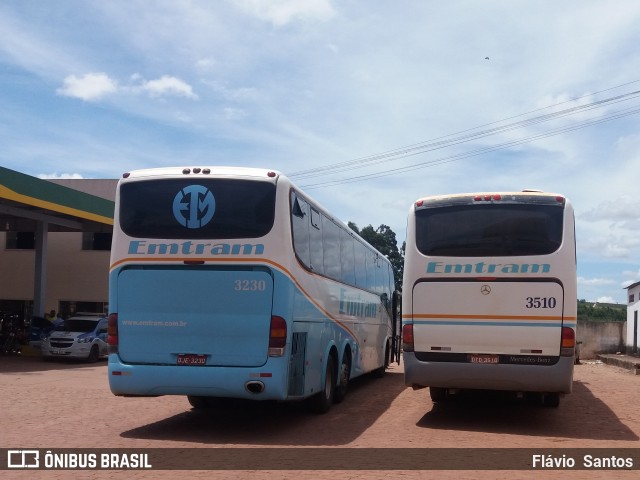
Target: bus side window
<point x="315" y="219"/>
<point x="315" y="242"/>
<point x="361" y="268"/>
<point x="371" y="271"/>
<point x="300" y="227"/>
<point x="347" y="257"/>
<point x="331" y="248"/>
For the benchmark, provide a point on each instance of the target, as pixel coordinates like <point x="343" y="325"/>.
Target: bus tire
<point x="550" y="400"/>
<point x="438" y="394"/>
<point x="198" y="402"/>
<point x="321" y="401"/>
<point x="379" y="372"/>
<point x="344" y="375"/>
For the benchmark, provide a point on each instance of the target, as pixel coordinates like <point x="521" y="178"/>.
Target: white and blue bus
<point x="232" y="283"/>
<point x="489" y="294"/>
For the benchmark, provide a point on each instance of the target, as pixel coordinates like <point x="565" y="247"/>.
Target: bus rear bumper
<point x="557" y="378"/>
<point x="254" y="383"/>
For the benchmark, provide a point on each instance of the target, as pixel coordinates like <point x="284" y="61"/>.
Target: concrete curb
<point x="623" y="361"/>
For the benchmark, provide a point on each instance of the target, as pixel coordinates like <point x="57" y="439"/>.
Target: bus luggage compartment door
<point x="219" y="315"/>
<point x="518" y="318"/>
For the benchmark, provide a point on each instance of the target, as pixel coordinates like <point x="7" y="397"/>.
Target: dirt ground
<point x="51" y="405"/>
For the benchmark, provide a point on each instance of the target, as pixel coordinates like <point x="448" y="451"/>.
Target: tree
<point x="601" y="312"/>
<point x="384" y="240"/>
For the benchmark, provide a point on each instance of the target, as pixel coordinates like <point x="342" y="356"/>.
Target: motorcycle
<point x="12" y="334"/>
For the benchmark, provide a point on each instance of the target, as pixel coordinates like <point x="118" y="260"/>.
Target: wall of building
<point x="18" y="267"/>
<point x="100" y="187"/>
<point x="633" y="320"/>
<point x="73" y="274"/>
<point x="600" y="337"/>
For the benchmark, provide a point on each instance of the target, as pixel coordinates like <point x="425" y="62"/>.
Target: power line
<point x="429" y="147"/>
<point x="434" y="141"/>
<point x="437" y="145"/>
<point x="460" y="156"/>
<point x="464" y="135"/>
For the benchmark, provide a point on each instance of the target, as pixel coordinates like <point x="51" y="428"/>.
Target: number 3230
<point x="250" y="285"/>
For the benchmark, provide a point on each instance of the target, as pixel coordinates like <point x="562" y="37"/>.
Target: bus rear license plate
<point x="492" y="359"/>
<point x="192" y="359"/>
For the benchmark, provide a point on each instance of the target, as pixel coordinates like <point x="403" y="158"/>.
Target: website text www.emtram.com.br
<point x="154" y="323"/>
<point x="319" y="458"/>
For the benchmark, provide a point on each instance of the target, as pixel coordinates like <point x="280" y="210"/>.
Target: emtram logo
<point x="194" y="206"/>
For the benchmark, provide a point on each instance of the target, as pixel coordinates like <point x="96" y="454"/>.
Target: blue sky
<point x="424" y="97"/>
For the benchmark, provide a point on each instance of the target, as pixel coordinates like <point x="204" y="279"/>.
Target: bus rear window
<point x="197" y="208"/>
<point x="489" y="230"/>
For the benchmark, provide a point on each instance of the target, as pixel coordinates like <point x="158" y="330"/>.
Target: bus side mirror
<point x="395" y="304"/>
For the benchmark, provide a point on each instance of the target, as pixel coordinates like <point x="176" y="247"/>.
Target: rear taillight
<point x="112" y="333"/>
<point x="277" y="336"/>
<point x="407" y="337"/>
<point x="567" y="347"/>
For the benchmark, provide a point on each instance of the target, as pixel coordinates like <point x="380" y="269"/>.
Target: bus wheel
<point x="321" y="402"/>
<point x="379" y="372"/>
<point x="438" y="394"/>
<point x="343" y="378"/>
<point x="198" y="402"/>
<point x="550" y="399"/>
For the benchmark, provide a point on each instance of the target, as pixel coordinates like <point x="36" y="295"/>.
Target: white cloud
<point x="232" y="94"/>
<point x="595" y="281"/>
<point x="234" y="113"/>
<point x="629" y="145"/>
<point x="282" y="12"/>
<point x="57" y="176"/>
<point x="206" y="64"/>
<point x="242" y="93"/>
<point x="182" y="117"/>
<point x="606" y="300"/>
<point x="609" y="241"/>
<point x="571" y="109"/>
<point x="94" y="86"/>
<point x="632" y="273"/>
<point x="90" y="86"/>
<point x="167" y="85"/>
<point x="631" y="277"/>
<point x="620" y="209"/>
<point x="617" y="251"/>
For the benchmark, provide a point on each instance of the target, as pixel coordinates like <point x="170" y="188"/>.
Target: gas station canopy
<point x="26" y="201"/>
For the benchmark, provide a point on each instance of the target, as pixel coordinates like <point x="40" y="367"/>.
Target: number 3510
<point x="541" y="302"/>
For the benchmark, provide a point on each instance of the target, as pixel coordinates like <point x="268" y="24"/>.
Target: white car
<point x="81" y="336"/>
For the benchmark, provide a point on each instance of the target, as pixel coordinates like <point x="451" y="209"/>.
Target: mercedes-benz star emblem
<point x="485" y="289"/>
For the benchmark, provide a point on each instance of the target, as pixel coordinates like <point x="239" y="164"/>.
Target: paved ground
<point x="58" y="405"/>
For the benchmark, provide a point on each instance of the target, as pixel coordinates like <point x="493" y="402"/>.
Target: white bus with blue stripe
<point x="489" y="294"/>
<point x="232" y="283"/>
